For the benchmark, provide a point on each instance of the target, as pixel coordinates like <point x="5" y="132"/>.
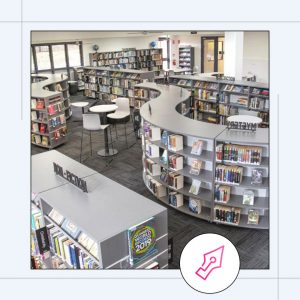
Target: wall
<point x="256" y="55"/>
<point x="233" y="54"/>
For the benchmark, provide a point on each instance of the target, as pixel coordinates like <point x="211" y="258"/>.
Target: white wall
<point x="233" y="54"/>
<point x="194" y="41"/>
<point x="256" y="55"/>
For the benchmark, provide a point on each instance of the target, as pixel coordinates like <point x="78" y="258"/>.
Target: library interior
<point x="143" y="140"/>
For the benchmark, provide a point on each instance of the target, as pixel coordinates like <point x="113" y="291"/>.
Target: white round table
<point x="103" y="109"/>
<point x="82" y="104"/>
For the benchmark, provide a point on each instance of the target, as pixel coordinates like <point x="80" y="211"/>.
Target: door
<point x="212" y="54"/>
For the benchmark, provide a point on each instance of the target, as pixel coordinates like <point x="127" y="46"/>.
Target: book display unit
<point x="202" y="169"/>
<point x="186" y="57"/>
<point x="108" y="84"/>
<point x="139" y="59"/>
<point x="214" y="100"/>
<point x="102" y="228"/>
<point x="50" y="107"/>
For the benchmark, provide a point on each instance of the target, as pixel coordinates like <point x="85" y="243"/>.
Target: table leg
<point x="106" y="151"/>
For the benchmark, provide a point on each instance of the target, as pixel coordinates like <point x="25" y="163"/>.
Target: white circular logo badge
<point x="209" y="263"/>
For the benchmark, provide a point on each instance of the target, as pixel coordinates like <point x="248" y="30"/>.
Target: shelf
<point x="205" y="211"/>
<point x="246" y="183"/>
<point x="204" y="175"/>
<point x="41" y="122"/>
<point x="235" y="105"/>
<point x="39" y="133"/>
<point x="259" y="96"/>
<point x="264" y="163"/>
<point x="186" y="151"/>
<point x="41" y="145"/>
<point x="237" y="201"/>
<point x="235" y="93"/>
<point x="204" y="194"/>
<point x="94" y="259"/>
<point x="40" y="110"/>
<point x="207" y="112"/>
<point x="263" y="223"/>
<point x="206" y="100"/>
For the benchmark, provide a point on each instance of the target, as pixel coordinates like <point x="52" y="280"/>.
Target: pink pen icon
<point x="211" y="260"/>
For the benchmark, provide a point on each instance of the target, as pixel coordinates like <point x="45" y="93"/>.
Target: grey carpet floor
<point x="126" y="169"/>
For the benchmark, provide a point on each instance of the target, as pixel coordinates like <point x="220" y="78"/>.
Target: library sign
<point x="141" y="241"/>
<point x="72" y="178"/>
<point x="243" y="122"/>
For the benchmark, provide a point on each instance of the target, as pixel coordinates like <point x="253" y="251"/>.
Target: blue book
<point x="73" y="255"/>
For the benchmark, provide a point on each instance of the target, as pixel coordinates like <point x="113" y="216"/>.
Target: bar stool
<point x="121" y="115"/>
<point x="92" y="122"/>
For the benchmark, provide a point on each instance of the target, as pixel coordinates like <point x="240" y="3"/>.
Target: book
<point x="45" y="141"/>
<point x="253" y="216"/>
<point x="35" y="127"/>
<point x="164" y="138"/>
<point x="85" y="241"/>
<point x="33" y="103"/>
<point x="175" y="180"/>
<point x="175" y="162"/>
<point x="94" y="250"/>
<point x="71" y="228"/>
<point x="40" y="104"/>
<point x="175" y="199"/>
<point x="227" y="214"/>
<point x="222" y="193"/>
<point x="248" y="197"/>
<point x="196" y="167"/>
<point x="175" y="142"/>
<point x="56" y="216"/>
<point x="33" y="116"/>
<point x="153" y="168"/>
<point x="195" y="206"/>
<point x="195" y="186"/>
<point x="257" y="176"/>
<point x="197" y="147"/>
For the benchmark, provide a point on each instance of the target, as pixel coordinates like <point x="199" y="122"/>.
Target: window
<point x="74" y="55"/>
<point x="59" y="56"/>
<point x="43" y="57"/>
<point x="56" y="57"/>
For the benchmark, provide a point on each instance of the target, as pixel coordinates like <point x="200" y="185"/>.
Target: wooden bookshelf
<point x="108" y="84"/>
<point x="139" y="59"/>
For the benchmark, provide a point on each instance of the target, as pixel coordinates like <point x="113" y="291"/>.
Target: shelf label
<point x="241" y="125"/>
<point x="69" y="176"/>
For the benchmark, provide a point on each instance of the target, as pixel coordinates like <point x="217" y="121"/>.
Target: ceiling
<point x="46" y="36"/>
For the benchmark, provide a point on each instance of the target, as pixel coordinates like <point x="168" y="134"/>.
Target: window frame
<point x="53" y="69"/>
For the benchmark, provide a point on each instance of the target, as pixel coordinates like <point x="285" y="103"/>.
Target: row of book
<point x="40" y="140"/>
<point x="227" y="214"/>
<point x="37" y="103"/>
<point x="64" y="248"/>
<point x="229" y="174"/>
<point x="173" y="179"/>
<point x="258" y="103"/>
<point x="56" y="108"/>
<point x="176" y="200"/>
<point x="68" y="226"/>
<point x="206" y="85"/>
<point x="205" y="94"/>
<point x="239" y="153"/>
<point x="156" y="187"/>
<point x="123" y="82"/>
<point x="39" y="128"/>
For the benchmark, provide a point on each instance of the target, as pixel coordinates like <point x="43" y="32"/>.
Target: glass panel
<point x="221" y="54"/>
<point x="43" y="57"/>
<point x="209" y="60"/>
<point x="59" y="56"/>
<point x="74" y="55"/>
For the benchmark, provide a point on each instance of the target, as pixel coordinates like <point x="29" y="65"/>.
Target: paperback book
<point x="195" y="187"/>
<point x="196" y="167"/>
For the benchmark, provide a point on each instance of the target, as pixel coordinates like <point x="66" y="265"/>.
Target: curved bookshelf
<point x="169" y="171"/>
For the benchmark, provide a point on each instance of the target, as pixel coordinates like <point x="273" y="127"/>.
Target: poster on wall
<point x="142" y="241"/>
